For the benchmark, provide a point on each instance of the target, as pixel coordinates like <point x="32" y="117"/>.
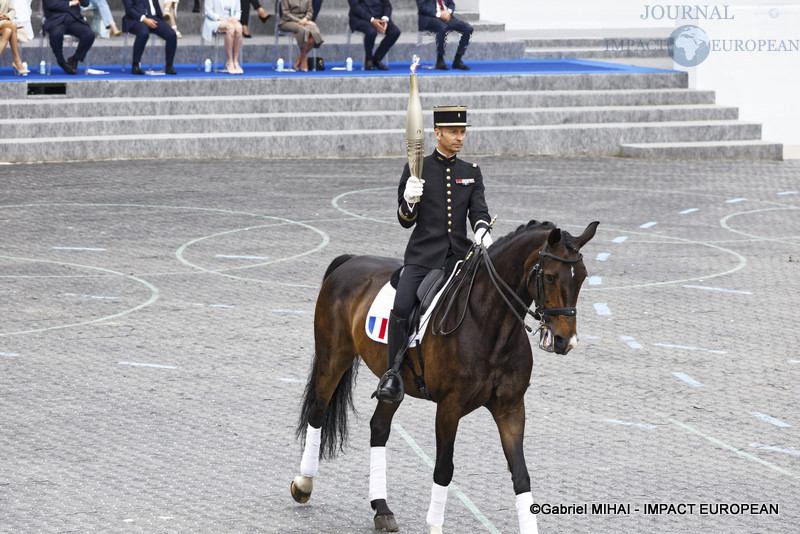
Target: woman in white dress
<point x="10" y="34"/>
<point x="222" y="16"/>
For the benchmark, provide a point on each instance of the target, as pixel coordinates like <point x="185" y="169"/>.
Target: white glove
<point x="482" y="235"/>
<point x="413" y="190"/>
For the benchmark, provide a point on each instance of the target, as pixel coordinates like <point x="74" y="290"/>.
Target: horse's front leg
<point x="380" y="426"/>
<point x="511" y="424"/>
<point x="446" y="427"/>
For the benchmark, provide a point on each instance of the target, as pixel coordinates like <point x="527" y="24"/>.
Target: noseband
<point x="541" y="310"/>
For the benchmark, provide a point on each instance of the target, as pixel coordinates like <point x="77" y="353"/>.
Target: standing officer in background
<point x="372" y="17"/>
<point x="436" y="16"/>
<point x="438" y="204"/>
<point x="143" y="17"/>
<point x="63" y="17"/>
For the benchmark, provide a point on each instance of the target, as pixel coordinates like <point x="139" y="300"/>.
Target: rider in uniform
<point x="438" y="205"/>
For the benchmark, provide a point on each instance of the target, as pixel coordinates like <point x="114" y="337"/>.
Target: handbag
<point x="320" y="63"/>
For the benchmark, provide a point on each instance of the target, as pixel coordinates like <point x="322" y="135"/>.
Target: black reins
<point x="540" y="313"/>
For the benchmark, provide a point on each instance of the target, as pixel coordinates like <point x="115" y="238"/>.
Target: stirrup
<point x="395" y="399"/>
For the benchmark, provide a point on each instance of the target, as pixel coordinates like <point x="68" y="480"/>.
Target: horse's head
<point x="556" y="275"/>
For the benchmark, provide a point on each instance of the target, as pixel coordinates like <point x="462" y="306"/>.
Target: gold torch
<point x="415" y="135"/>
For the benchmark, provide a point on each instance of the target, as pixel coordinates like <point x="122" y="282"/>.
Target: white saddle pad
<point x="377" y="325"/>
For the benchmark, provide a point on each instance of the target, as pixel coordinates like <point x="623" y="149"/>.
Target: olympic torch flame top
<point x="414" y="64"/>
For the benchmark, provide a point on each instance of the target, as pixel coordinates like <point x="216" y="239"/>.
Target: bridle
<point x="541" y="313"/>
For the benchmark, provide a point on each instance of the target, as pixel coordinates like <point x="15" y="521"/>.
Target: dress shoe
<point x="440" y="64"/>
<point x="68" y="69"/>
<point x="135" y="69"/>
<point x="74" y="62"/>
<point x="369" y="65"/>
<point x="380" y="66"/>
<point x="169" y="69"/>
<point x="458" y="64"/>
<point x="264" y="19"/>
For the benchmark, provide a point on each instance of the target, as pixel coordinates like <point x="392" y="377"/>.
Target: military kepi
<point x="450" y="116"/>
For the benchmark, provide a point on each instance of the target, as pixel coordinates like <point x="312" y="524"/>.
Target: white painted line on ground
<point x="595" y="280"/>
<point x="235" y="257"/>
<point x="775" y="449"/>
<point x="690" y="210"/>
<point x="787" y="193"/>
<point x="770" y="420"/>
<point x="219" y="306"/>
<point x="793" y="361"/>
<point x="137" y="364"/>
<point x="9" y="354"/>
<point x="293" y="380"/>
<point x="602" y="308"/>
<point x="619" y="239"/>
<point x="688" y="379"/>
<point x="737" y="291"/>
<point x="648" y="225"/>
<point x="602" y="256"/>
<point x="98" y="297"/>
<point x="289" y="311"/>
<point x="735" y="200"/>
<point x="455" y="489"/>
<point x="628" y="423"/>
<point x="80" y="248"/>
<point x="684" y="347"/>
<point x="631" y="342"/>
<point x="731" y="448"/>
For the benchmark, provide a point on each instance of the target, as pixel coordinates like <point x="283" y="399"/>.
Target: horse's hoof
<point x="385" y="523"/>
<point x="301" y="489"/>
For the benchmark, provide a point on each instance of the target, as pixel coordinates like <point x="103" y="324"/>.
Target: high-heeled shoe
<point x="20" y="71"/>
<point x="264" y="19"/>
<point x="246" y="32"/>
<point x="297" y="63"/>
<point x="177" y="33"/>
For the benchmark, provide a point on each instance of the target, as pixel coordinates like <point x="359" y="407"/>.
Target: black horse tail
<point x="334" y="423"/>
<point x="337" y="261"/>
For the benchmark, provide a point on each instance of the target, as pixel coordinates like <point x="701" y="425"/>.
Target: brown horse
<point x="484" y="359"/>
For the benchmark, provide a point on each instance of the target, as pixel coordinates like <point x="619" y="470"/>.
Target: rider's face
<point x="451" y="139"/>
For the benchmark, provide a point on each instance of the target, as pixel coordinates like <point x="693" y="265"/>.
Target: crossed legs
<point x="8" y="34"/>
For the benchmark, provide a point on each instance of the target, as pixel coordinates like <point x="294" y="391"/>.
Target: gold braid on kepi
<point x="450" y="116"/>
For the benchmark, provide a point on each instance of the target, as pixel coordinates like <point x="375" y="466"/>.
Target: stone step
<point x="591" y="53"/>
<point x="53" y="108"/>
<point x="224" y="121"/>
<point x="595" y="139"/>
<point x="705" y="150"/>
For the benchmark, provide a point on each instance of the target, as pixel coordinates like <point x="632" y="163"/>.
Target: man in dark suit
<point x="436" y="16"/>
<point x="143" y="17"/>
<point x="64" y="17"/>
<point x="438" y="205"/>
<point x="372" y="17"/>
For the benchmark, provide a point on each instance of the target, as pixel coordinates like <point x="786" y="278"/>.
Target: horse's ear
<point x="587" y="235"/>
<point x="554" y="237"/>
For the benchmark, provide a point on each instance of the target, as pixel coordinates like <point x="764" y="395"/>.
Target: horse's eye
<point x="549" y="278"/>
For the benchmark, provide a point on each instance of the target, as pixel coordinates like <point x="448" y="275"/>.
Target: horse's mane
<point x="501" y="243"/>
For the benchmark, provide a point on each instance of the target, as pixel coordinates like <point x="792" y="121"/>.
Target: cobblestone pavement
<point x="156" y="331"/>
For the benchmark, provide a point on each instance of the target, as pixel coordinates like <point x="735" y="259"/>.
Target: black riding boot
<point x="390" y="388"/>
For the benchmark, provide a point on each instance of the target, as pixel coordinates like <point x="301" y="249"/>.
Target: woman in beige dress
<point x="10" y="33"/>
<point x="296" y="18"/>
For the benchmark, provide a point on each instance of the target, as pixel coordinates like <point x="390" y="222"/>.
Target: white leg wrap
<point x="436" y="511"/>
<point x="527" y="520"/>
<point x="377" y="473"/>
<point x="310" y="462"/>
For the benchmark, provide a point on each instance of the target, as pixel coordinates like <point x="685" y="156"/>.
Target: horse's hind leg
<point x="511" y="424"/>
<point x="380" y="426"/>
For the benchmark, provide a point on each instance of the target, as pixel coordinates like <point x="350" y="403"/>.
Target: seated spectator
<point x="222" y="16"/>
<point x="63" y="17"/>
<point x="143" y="17"/>
<point x="296" y="18"/>
<point x="10" y="33"/>
<point x="436" y="16"/>
<point x="170" y="10"/>
<point x="245" y="18"/>
<point x="372" y="17"/>
<point x="105" y="15"/>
